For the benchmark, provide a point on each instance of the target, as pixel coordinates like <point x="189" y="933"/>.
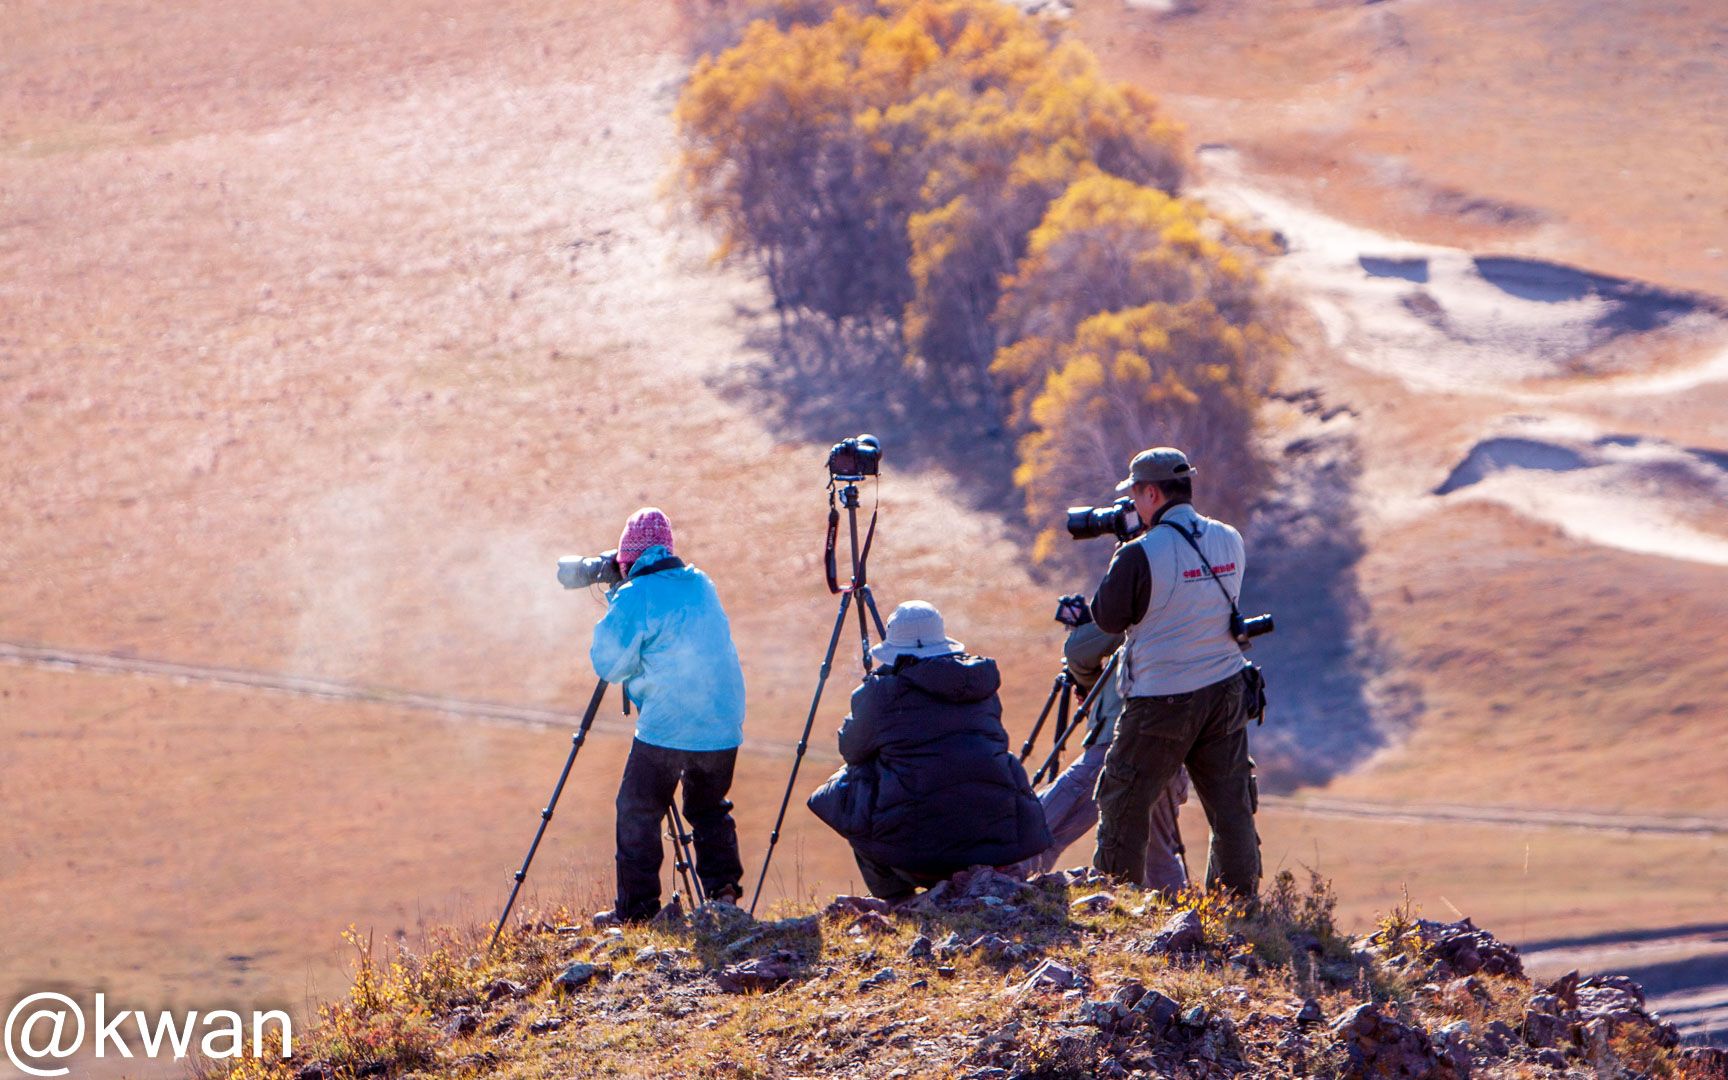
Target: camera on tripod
<point x="1119" y="519"/>
<point x="855" y="458"/>
<point x="581" y="571"/>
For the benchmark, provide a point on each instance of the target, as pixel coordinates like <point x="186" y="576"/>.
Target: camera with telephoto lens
<point x="1246" y="630"/>
<point x="1119" y="519"/>
<point x="855" y="458"/>
<point x="581" y="571"/>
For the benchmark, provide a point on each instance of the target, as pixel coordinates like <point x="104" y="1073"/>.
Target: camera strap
<point x="1256" y="678"/>
<point x="829" y="565"/>
<point x="1235" y="613"/>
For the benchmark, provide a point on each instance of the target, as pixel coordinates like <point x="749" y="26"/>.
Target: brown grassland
<point x="325" y="327"/>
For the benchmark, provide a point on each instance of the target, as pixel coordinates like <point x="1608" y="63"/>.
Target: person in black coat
<point x="930" y="787"/>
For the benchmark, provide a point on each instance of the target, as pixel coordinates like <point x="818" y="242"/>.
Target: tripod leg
<point x="686" y="858"/>
<point x="864" y="639"/>
<point x="803" y="744"/>
<point x="875" y="616"/>
<point x="1063" y="726"/>
<point x="1050" y="763"/>
<point x="576" y="742"/>
<point x="1043" y="715"/>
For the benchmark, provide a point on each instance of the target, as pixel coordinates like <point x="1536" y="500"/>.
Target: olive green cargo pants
<point x="1207" y="730"/>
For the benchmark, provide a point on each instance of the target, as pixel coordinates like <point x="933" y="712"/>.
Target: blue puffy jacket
<point x="666" y="640"/>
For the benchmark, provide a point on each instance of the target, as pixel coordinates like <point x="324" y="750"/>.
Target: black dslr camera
<point x="581" y="571"/>
<point x="1119" y="519"/>
<point x="855" y="458"/>
<point x="1072" y="611"/>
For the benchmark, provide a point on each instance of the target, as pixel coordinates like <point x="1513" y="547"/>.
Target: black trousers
<point x="1206" y="730"/>
<point x="651" y="776"/>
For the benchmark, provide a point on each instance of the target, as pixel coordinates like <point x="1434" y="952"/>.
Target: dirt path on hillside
<point x="1527" y="355"/>
<point x="528" y="716"/>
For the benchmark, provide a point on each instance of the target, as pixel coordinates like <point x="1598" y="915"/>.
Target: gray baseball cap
<point x="1158" y="463"/>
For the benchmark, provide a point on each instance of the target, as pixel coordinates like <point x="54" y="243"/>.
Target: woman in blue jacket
<point x="666" y="641"/>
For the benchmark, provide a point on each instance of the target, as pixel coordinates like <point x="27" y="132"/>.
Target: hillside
<point x="986" y="976"/>
<point x="329" y="325"/>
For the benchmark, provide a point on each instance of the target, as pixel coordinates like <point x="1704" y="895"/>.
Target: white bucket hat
<point x="915" y="629"/>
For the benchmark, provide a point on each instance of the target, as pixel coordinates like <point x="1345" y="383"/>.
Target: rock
<point x="670" y="915"/>
<point x="1449" y="1043"/>
<point x="505" y="988"/>
<point x="1309" y="1014"/>
<point x="1052" y="975"/>
<point x="744" y="944"/>
<point x="1181" y="933"/>
<point x="1054" y="881"/>
<point x="1247" y="961"/>
<point x="1466" y="950"/>
<point x="983" y="881"/>
<point x="720" y="917"/>
<point x="993" y="946"/>
<point x="1128" y="994"/>
<point x="1104" y="1015"/>
<point x="1564" y="989"/>
<point x="761" y="973"/>
<point x="1498" y="1038"/>
<point x="1154" y="1013"/>
<point x="886" y="975"/>
<point x="1194" y="1016"/>
<point x="461" y="1021"/>
<point x="1095" y="904"/>
<point x="606" y="919"/>
<point x="1379" y="1045"/>
<point x="545" y="1024"/>
<point x="920" y="949"/>
<point x="950" y="946"/>
<point x="857" y="905"/>
<point x="870" y="924"/>
<point x="1544" y="1029"/>
<point x="1618" y="1002"/>
<point x="580" y="974"/>
<point x="1551" y="1059"/>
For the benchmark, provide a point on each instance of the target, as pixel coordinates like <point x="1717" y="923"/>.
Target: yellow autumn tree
<point x="1108" y="244"/>
<point x="1155" y="375"/>
<point x="891" y="161"/>
<point x="992" y="149"/>
<point x="773" y="158"/>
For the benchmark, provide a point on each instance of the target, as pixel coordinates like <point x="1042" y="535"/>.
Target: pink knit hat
<point x="646" y="528"/>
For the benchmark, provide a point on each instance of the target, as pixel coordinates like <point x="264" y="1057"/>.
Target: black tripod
<point x="859" y="586"/>
<point x="576" y="742"/>
<point x="1052" y="764"/>
<point x="1061" y="697"/>
<point x="682" y="861"/>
